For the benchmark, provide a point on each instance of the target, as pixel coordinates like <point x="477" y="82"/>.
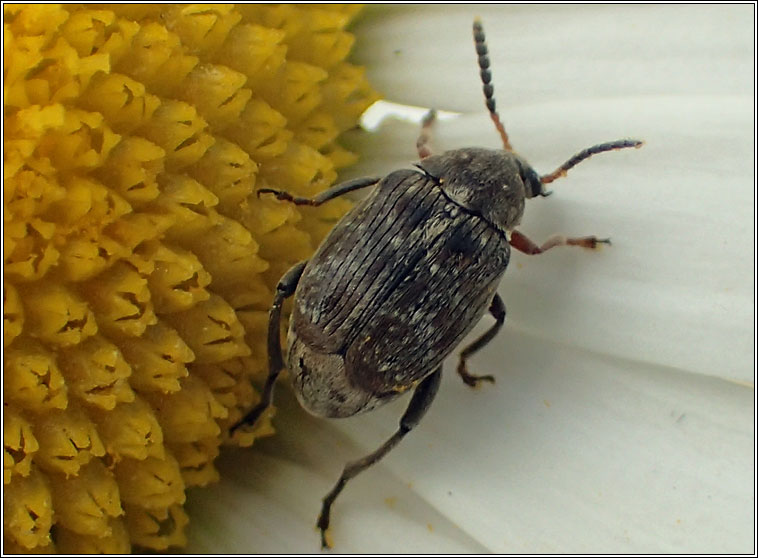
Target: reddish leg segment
<point x="527" y="246"/>
<point x="422" y="143"/>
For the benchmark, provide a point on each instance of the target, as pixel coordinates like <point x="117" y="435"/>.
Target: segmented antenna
<point x="486" y="75"/>
<point x="586" y="154"/>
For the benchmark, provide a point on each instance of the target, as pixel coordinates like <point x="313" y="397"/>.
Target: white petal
<point x="424" y="55"/>
<point x="567" y="452"/>
<point x="269" y="498"/>
<point x="579" y="453"/>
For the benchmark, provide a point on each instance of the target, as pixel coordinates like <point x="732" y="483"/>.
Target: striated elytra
<point x="403" y="277"/>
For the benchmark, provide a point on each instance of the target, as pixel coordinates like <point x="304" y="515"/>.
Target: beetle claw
<point x="326" y="543"/>
<point x="473" y="380"/>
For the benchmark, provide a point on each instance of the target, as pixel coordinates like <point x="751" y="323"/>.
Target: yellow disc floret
<point x="138" y="261"/>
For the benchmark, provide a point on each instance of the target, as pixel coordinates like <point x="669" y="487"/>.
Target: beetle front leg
<point x="326" y="195"/>
<point x="527" y="246"/>
<point x="422" y="143"/>
<point x="285" y="289"/>
<point x="497" y="309"/>
<point x="420" y="402"/>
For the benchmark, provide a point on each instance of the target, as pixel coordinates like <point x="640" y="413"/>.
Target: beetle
<point x="403" y="277"/>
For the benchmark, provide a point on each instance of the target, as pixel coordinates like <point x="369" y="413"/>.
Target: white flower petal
<point x="269" y="498"/>
<point x="597" y="436"/>
<point x="424" y="56"/>
<point x="573" y="452"/>
<point x="568" y="452"/>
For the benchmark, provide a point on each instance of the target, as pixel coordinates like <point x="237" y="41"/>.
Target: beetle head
<point x="491" y="183"/>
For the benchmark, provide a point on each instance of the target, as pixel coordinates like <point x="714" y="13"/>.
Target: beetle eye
<point x="532" y="183"/>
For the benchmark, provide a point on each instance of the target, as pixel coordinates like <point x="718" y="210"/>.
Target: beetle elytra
<point x="403" y="277"/>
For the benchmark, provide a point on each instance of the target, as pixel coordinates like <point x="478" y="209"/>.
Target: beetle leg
<point x="420" y="402"/>
<point x="527" y="246"/>
<point x="285" y="289"/>
<point x="497" y="309"/>
<point x="422" y="143"/>
<point x="326" y="195"/>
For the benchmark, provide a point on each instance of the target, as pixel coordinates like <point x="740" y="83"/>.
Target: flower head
<point x="138" y="262"/>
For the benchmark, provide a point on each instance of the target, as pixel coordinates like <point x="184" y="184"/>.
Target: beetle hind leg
<point x="497" y="309"/>
<point x="422" y="143"/>
<point x="285" y="289"/>
<point x="420" y="402"/>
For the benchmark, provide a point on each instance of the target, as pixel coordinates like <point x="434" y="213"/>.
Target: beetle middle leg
<point x="528" y="246"/>
<point x="497" y="309"/>
<point x="420" y="402"/>
<point x="328" y="194"/>
<point x="285" y="289"/>
<point x="422" y="143"/>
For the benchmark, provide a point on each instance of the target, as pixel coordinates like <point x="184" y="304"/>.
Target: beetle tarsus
<point x="285" y="196"/>
<point x="497" y="309"/>
<point x="250" y="418"/>
<point x="473" y="380"/>
<point x="589" y="242"/>
<point x="326" y="195"/>
<point x="323" y="526"/>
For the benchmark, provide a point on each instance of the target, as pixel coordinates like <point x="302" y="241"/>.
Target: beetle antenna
<point x="486" y="75"/>
<point x="586" y="154"/>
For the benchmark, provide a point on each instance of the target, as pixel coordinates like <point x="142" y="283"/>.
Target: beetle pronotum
<point x="403" y="277"/>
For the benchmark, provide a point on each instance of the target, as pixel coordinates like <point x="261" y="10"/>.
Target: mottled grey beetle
<point x="403" y="277"/>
